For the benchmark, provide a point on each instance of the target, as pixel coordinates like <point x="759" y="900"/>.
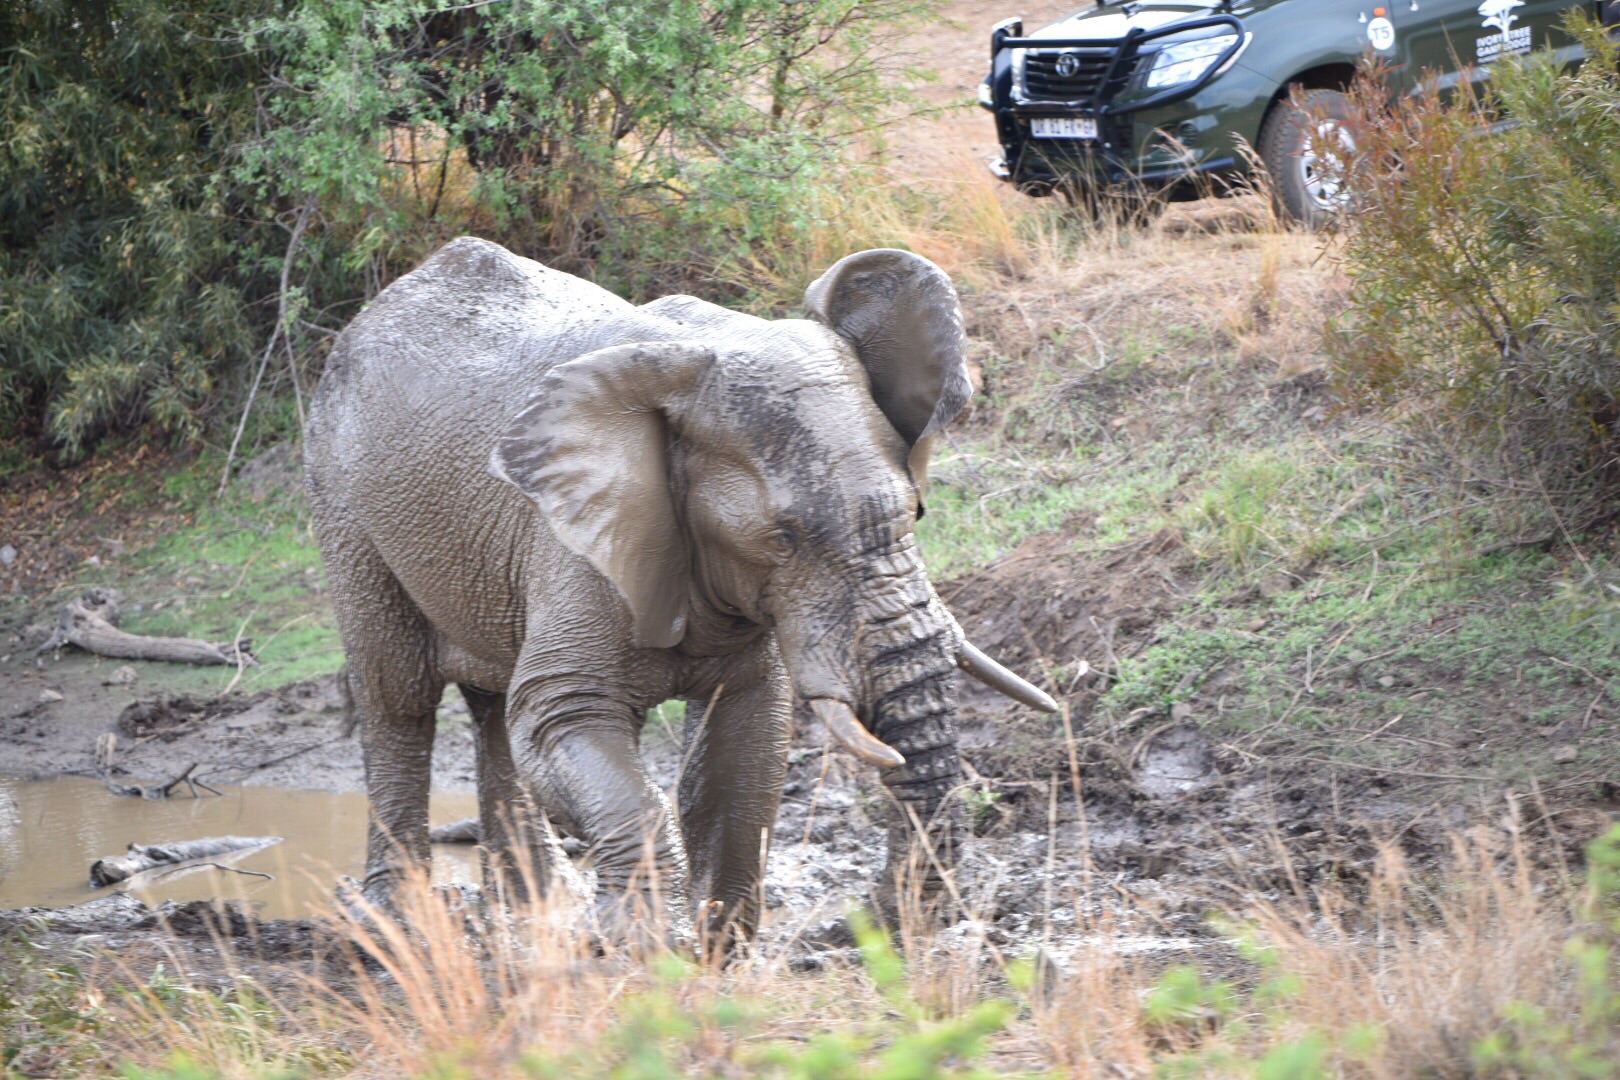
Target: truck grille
<point x="1042" y="81"/>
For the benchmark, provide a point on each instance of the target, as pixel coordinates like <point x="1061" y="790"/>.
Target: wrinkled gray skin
<point x="576" y="508"/>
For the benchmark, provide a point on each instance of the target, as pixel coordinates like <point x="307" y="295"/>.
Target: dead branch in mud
<point x="91" y="623"/>
<point x="242" y="769"/>
<point x="279" y="331"/>
<point x="216" y="866"/>
<point x="161" y="791"/>
<point x="142" y="857"/>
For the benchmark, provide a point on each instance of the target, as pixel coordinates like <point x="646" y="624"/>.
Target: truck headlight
<point x="1187" y="61"/>
<point x="987" y="97"/>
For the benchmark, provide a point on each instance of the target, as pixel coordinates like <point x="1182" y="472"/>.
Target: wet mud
<point x="1141" y="855"/>
<point x="53" y="717"/>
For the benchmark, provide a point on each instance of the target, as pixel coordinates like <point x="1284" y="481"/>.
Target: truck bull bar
<point x="1005" y="35"/>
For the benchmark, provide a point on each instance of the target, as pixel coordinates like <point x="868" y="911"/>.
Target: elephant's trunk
<point x="924" y="834"/>
<point x="910" y="705"/>
<point x="883" y="684"/>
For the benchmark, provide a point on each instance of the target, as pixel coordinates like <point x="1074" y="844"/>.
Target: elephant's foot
<point x="913" y="889"/>
<point x="723" y="928"/>
<point x="365" y="915"/>
<point x="392" y="900"/>
<point x="638" y="923"/>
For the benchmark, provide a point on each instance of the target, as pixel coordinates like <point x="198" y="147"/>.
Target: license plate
<point x="1063" y="127"/>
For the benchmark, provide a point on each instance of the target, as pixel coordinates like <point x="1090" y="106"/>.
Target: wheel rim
<point x="1324" y="165"/>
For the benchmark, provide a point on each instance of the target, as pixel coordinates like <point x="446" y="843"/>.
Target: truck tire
<point x="1307" y="185"/>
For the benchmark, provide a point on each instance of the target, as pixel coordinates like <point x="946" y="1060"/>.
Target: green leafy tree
<point x="196" y="194"/>
<point x="128" y="277"/>
<point x="655" y="144"/>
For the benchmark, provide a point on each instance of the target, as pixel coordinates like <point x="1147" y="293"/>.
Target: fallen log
<point x="464" y="831"/>
<point x="91" y="623"/>
<point x="142" y="857"/>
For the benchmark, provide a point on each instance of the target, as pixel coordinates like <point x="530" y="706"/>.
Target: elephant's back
<point x="472" y="320"/>
<point x="440" y="359"/>
<point x="416" y="391"/>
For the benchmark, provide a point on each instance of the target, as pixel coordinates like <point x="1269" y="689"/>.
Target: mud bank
<point x="1173" y="823"/>
<point x="1145" y="855"/>
<point x="297" y="736"/>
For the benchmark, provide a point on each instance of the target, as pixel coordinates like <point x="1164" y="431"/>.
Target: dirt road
<point x="956" y="136"/>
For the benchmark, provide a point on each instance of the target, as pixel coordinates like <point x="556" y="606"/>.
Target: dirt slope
<point x="957" y="136"/>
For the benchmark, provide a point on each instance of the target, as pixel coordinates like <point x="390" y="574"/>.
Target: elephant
<point x="575" y="508"/>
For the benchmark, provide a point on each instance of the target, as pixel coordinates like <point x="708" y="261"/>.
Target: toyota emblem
<point x="1068" y="65"/>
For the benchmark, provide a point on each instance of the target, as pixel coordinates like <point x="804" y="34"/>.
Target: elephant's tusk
<point x="852" y="734"/>
<point x="999" y="679"/>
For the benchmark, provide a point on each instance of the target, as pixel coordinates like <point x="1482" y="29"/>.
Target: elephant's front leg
<point x="583" y="757"/>
<point x="730" y="788"/>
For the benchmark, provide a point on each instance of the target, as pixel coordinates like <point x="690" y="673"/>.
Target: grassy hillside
<point x="1150" y="403"/>
<point x="1159" y="401"/>
<point x="1161" y="508"/>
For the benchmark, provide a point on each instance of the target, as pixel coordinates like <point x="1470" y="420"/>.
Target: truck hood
<point x="1109" y="22"/>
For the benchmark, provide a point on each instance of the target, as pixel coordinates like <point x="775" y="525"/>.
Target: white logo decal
<point x="1068" y="65"/>
<point x="1381" y="32"/>
<point x="1508" y="40"/>
<point x="1499" y="13"/>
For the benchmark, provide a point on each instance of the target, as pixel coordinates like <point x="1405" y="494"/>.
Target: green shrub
<point x="195" y="194"/>
<point x="1485" y="261"/>
<point x="1534" y="1041"/>
<point x="657" y="145"/>
<point x="128" y="277"/>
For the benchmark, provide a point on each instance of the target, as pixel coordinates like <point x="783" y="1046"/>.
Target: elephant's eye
<point x="784" y="540"/>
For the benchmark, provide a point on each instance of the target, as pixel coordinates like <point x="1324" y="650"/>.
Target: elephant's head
<point x="772" y="473"/>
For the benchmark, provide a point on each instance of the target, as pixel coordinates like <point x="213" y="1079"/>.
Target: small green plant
<point x="981" y="804"/>
<point x="1534" y="1041"/>
<point x="1182" y="999"/>
<point x="49" y="1013"/>
<point x="661" y="1029"/>
<point x="668" y="718"/>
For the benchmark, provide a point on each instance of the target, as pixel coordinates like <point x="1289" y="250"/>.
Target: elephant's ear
<point x="592" y="450"/>
<point x="901" y="314"/>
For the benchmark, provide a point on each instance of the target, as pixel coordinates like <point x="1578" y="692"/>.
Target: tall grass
<point x="1492" y="967"/>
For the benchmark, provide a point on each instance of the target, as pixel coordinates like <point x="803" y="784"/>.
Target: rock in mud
<point x="169" y="717"/>
<point x="1176" y="761"/>
<point x="464" y="831"/>
<point x="124" y="676"/>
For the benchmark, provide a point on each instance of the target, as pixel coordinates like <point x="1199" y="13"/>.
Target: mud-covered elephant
<point x="576" y="508"/>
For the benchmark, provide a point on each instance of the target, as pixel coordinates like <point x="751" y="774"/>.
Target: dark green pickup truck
<point x="1088" y="102"/>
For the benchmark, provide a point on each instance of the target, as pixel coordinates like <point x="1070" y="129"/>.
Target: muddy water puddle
<point x="52" y="830"/>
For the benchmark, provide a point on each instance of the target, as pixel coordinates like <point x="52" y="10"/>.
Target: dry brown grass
<point x="1054" y="288"/>
<point x="1407" y="973"/>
